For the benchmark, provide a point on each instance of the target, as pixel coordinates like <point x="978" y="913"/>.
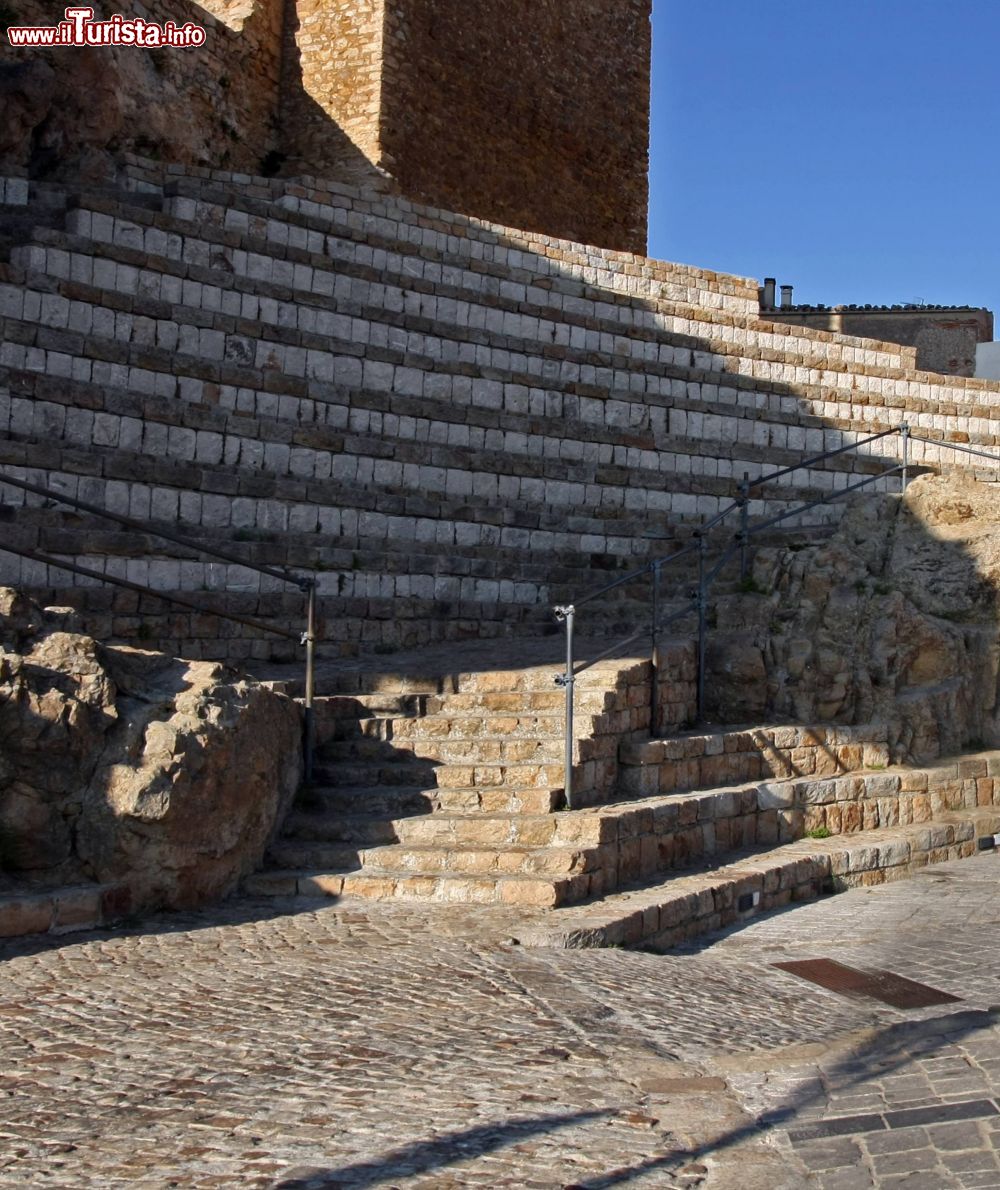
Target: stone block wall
<point x="944" y="339"/>
<point x="532" y="113"/>
<point x="453" y="424"/>
<point x="332" y="89"/>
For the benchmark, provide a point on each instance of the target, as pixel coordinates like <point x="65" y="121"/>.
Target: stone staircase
<point x="447" y="788"/>
<point x="445" y="784"/>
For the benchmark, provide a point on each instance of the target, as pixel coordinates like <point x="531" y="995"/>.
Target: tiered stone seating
<point x="454" y="423"/>
<point x="455" y="426"/>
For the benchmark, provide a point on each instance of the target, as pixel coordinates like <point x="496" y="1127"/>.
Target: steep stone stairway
<point x="446" y="786"/>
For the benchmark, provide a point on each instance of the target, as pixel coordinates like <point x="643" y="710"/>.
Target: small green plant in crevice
<point x="819" y="832"/>
<point x="882" y="588"/>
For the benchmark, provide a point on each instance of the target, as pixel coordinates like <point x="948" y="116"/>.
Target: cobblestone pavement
<point x="312" y="1044"/>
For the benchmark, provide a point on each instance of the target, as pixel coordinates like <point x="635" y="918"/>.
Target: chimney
<point x="786" y="297"/>
<point x="769" y="284"/>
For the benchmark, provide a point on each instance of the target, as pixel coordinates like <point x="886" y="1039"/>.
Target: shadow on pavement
<point x="427" y="1155"/>
<point x="888" y="1051"/>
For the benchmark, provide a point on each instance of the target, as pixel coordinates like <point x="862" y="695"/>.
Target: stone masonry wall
<point x="944" y="340"/>
<point x="333" y="72"/>
<point x="73" y="111"/>
<point x="454" y="425"/>
<point x="532" y="113"/>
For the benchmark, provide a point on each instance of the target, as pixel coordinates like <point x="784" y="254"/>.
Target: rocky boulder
<point x="120" y="765"/>
<point x="893" y="619"/>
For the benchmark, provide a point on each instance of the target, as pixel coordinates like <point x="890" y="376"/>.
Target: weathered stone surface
<point x="892" y="620"/>
<point x="72" y="114"/>
<point x="123" y="765"/>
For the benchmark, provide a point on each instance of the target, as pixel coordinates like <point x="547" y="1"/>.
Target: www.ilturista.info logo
<point x="80" y="28"/>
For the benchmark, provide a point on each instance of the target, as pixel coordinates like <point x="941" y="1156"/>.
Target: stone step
<point x="63" y="243"/>
<point x="497" y="250"/>
<point x="700" y="760"/>
<point x="662" y="914"/>
<point x="611" y="845"/>
<point x="470" y="829"/>
<point x="282" y="228"/>
<point x="411" y="731"/>
<point x="532" y="686"/>
<point x="62" y="910"/>
<point x="432" y="859"/>
<point x="392" y="802"/>
<point x="482" y="749"/>
<point x="492" y="889"/>
<point x="253" y="352"/>
<point x="419" y="570"/>
<point x="413" y="771"/>
<point x="405" y="771"/>
<point x="419" y="231"/>
<point x="474" y="704"/>
<point x="785" y="338"/>
<point x="390" y="225"/>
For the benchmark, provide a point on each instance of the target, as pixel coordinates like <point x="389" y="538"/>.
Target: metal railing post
<point x="309" y="640"/>
<point x="745" y="525"/>
<point x="568" y="680"/>
<point x="905" y="431"/>
<point x="702" y="626"/>
<point x="654" y="695"/>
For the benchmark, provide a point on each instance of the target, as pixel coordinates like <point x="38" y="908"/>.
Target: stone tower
<point x="533" y="113"/>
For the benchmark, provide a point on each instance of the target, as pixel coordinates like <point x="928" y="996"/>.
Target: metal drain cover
<point x="891" y="989"/>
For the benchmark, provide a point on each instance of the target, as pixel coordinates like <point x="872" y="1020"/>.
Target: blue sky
<point x="850" y="148"/>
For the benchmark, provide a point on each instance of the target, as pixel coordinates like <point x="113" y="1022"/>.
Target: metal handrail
<point x="969" y="450"/>
<point x="144" y="527"/>
<point x="566" y="613"/>
<point x="827" y="454"/>
<point x="305" y="583"/>
<point x="829" y="499"/>
<point x="635" y="574"/>
<point x="114" y="580"/>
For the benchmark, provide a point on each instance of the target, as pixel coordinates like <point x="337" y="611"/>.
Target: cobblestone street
<point x="324" y="1044"/>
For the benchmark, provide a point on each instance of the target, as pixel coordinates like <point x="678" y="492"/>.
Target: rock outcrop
<point x="120" y="765"/>
<point x="893" y="619"/>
